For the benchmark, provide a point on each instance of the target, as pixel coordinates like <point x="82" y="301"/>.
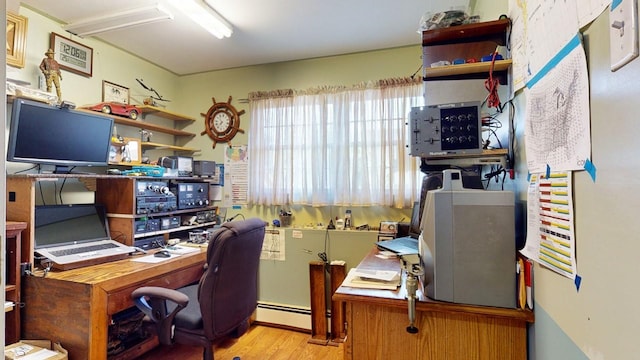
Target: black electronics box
<point x="148" y="225"/>
<point x="168" y="162"/>
<point x="149" y="242"/>
<point x="204" y="168"/>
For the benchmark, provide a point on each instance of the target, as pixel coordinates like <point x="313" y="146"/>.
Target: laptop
<point x="407" y="244"/>
<point x="72" y="236"/>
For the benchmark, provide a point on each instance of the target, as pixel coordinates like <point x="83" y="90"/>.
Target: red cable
<point x="491" y="84"/>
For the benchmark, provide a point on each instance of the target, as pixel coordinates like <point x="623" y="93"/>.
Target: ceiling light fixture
<point x="203" y="14"/>
<point x="119" y="20"/>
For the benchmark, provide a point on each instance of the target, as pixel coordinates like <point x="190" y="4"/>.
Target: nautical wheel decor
<point x="222" y="122"/>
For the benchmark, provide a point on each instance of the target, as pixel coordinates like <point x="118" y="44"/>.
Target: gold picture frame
<point x="16" y="39"/>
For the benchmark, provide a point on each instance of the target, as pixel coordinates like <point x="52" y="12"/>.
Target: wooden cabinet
<point x="122" y="195"/>
<point x="12" y="284"/>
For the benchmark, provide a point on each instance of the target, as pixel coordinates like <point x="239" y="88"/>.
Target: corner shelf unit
<point x="469" y="41"/>
<point x="465" y="42"/>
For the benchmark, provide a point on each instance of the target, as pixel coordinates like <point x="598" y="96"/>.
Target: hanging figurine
<point x="51" y="70"/>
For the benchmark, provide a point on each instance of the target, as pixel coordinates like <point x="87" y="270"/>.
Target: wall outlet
<point x="623" y="32"/>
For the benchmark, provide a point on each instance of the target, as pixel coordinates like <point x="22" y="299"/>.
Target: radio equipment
<point x="154" y="197"/>
<point x="204" y="168"/>
<point x="147" y="225"/>
<point x="155" y="204"/>
<point x="191" y="195"/>
<point x="184" y="164"/>
<point x="448" y="129"/>
<point x="152" y="188"/>
<point x="169" y="222"/>
<point x="205" y="216"/>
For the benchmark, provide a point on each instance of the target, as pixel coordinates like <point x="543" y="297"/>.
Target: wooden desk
<point x="12" y="285"/>
<point x="377" y="322"/>
<point x="75" y="306"/>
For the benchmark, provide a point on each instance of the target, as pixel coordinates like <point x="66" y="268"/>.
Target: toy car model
<point x="116" y="108"/>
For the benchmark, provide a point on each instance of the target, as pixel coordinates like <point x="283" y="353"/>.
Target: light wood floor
<point x="259" y="343"/>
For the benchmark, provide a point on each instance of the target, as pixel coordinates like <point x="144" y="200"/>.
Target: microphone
<point x="233" y="217"/>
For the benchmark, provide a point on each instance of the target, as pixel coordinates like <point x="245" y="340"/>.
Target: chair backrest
<point x="228" y="291"/>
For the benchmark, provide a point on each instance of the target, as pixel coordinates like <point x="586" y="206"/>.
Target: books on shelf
<point x="372" y="279"/>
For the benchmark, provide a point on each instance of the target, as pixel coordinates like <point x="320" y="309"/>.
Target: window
<point x="334" y="146"/>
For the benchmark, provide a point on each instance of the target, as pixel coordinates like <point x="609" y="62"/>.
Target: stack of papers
<point x="8" y="305"/>
<point x="372" y="279"/>
<point x="180" y="249"/>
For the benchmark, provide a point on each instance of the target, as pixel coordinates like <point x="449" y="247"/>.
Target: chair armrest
<point x="161" y="293"/>
<point x="152" y="301"/>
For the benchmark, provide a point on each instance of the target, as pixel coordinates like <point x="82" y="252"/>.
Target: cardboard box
<point x="29" y="347"/>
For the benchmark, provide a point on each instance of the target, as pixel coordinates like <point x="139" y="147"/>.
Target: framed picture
<point x="114" y="93"/>
<point x="72" y="56"/>
<point x="16" y="39"/>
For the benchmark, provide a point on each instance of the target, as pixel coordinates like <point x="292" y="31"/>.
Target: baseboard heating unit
<point x="284" y="315"/>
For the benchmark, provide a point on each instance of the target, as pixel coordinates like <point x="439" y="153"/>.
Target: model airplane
<point x="150" y="100"/>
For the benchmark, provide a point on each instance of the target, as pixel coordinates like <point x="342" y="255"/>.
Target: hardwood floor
<point x="259" y="343"/>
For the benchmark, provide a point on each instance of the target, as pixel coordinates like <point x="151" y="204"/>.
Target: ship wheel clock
<point x="222" y="122"/>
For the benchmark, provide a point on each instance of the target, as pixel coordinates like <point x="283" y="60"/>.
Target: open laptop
<point x="73" y="236"/>
<point x="407" y="244"/>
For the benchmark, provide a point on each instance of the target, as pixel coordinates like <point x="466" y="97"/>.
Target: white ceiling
<point x="265" y="31"/>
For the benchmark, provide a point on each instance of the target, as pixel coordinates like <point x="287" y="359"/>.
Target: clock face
<point x="221" y="122"/>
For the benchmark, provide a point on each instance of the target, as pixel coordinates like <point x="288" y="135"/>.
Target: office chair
<point x="225" y="297"/>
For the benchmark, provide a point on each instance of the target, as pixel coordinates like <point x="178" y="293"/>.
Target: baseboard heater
<point x="284" y="315"/>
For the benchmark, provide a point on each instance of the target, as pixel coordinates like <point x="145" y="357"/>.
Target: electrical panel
<point x="446" y="129"/>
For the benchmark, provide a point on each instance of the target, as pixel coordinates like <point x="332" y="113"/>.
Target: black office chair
<point x="222" y="302"/>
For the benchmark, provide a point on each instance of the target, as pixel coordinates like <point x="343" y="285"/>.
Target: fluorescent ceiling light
<point x="119" y="20"/>
<point x="203" y="14"/>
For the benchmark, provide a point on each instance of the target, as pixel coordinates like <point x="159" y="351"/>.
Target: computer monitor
<point x="44" y="134"/>
<point x="467" y="245"/>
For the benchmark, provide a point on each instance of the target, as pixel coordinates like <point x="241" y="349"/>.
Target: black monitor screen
<point x="414" y="226"/>
<point x="43" y="134"/>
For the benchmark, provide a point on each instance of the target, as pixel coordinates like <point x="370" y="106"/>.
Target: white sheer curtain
<point x="334" y="145"/>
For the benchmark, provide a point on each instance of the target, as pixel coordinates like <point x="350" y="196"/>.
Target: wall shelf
<point x="467" y="71"/>
<point x="159" y="146"/>
<point x="470" y="41"/>
<point x="148" y="109"/>
<point x="144" y="125"/>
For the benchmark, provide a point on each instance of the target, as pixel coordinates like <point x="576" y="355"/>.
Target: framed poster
<point x="72" y="56"/>
<point x="16" y="39"/>
<point x="114" y="93"/>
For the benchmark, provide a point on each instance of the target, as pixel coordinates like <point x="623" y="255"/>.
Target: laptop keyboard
<point x="82" y="249"/>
